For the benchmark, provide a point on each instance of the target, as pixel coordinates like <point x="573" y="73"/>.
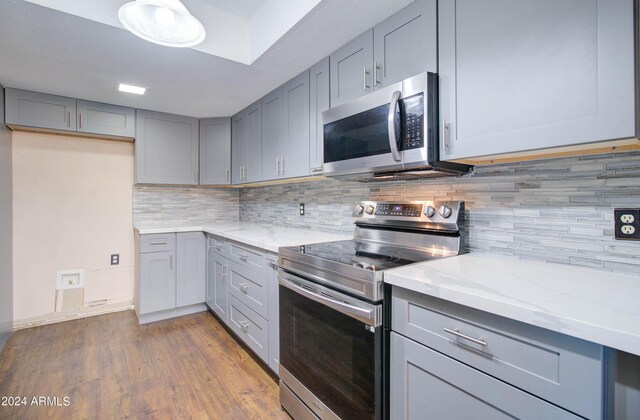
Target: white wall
<point x="72" y="200"/>
<point x="6" y="275"/>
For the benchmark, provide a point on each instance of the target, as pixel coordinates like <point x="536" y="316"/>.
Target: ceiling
<point x="51" y="51"/>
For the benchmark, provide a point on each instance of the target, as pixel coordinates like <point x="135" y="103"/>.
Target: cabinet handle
<point x="375" y="73"/>
<point x="445" y="137"/>
<point x="225" y="273"/>
<point x="69" y="119"/>
<point x="80" y="119"/>
<point x="244" y="325"/>
<point x="227" y="174"/>
<point x="171" y="262"/>
<point x="282" y="159"/>
<point x="278" y="165"/>
<point x="316" y="169"/>
<point x="364" y="78"/>
<point x="158" y="242"/>
<point x="244" y="257"/>
<point x="457" y="333"/>
<point x="244" y="287"/>
<point x="242" y="175"/>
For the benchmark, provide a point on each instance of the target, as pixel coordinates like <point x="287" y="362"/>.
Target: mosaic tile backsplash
<point x="180" y="206"/>
<point x="558" y="210"/>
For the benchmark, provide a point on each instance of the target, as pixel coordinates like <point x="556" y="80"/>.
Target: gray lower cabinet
<point x="246" y="139"/>
<point x="522" y="76"/>
<point x="58" y="113"/>
<point x="273" y="291"/>
<point x="217" y="276"/>
<point x="406" y="44"/>
<point x="487" y="363"/>
<point x="157" y="289"/>
<point x="191" y="274"/>
<point x="318" y="103"/>
<point x="427" y="384"/>
<point x="250" y="327"/>
<point x="166" y="148"/>
<point x="352" y="69"/>
<point x="215" y="151"/>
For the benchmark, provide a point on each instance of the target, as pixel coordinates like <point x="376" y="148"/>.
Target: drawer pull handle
<point x="244" y="287"/>
<point x="244" y="257"/>
<point x="158" y="242"/>
<point x="244" y="325"/>
<point x="457" y="333"/>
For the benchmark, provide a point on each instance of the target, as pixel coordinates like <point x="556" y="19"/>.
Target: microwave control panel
<point x="413" y="122"/>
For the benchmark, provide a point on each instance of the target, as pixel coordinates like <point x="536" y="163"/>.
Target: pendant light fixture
<point x="164" y="22"/>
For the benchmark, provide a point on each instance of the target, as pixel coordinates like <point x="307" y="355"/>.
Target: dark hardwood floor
<point x="110" y="367"/>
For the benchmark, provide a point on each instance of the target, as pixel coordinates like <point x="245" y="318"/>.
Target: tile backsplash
<point x="558" y="210"/>
<point x="181" y="206"/>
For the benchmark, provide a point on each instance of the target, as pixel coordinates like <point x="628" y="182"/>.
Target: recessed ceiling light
<point x="163" y="22"/>
<point x="131" y="89"/>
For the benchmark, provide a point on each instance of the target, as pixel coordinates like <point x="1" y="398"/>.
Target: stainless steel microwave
<point x="390" y="133"/>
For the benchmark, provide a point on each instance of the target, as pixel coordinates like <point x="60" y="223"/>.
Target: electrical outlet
<point x="115" y="259"/>
<point x="301" y="209"/>
<point x="627" y="224"/>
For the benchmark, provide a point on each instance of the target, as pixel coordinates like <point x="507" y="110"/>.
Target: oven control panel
<point x="398" y="209"/>
<point x="424" y="214"/>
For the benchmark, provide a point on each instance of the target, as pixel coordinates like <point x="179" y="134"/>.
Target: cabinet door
<point x="272" y="135"/>
<point x="517" y="76"/>
<point x="318" y="103"/>
<point x="157" y="281"/>
<point x="166" y="148"/>
<point x="105" y="119"/>
<point x="215" y="151"/>
<point x="425" y="383"/>
<point x="295" y="157"/>
<point x="273" y="304"/>
<point x="33" y="109"/>
<point x="253" y="151"/>
<point x="221" y="287"/>
<point x="191" y="268"/>
<point x="406" y="44"/>
<point x="238" y="140"/>
<point x="351" y="69"/>
<point x="210" y="280"/>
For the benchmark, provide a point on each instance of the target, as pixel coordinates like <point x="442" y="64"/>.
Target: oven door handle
<point x="368" y="316"/>
<point x="391" y="126"/>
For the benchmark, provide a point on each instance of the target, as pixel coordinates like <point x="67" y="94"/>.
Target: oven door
<point x="330" y="350"/>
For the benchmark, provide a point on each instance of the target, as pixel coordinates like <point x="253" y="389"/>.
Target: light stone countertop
<point x="594" y="305"/>
<point x="264" y="236"/>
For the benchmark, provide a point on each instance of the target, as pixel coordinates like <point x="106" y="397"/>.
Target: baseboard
<point x="171" y="313"/>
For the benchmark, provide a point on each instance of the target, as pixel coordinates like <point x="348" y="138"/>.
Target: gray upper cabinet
<point x="295" y="158"/>
<point x="352" y="69"/>
<point x="246" y="148"/>
<point x="272" y="135"/>
<point x="519" y="76"/>
<point x="166" y="149"/>
<point x="406" y="44"/>
<point x="105" y="119"/>
<point x="38" y="110"/>
<point x="58" y="113"/>
<point x="318" y="103"/>
<point x="215" y="151"/>
<point x="191" y="263"/>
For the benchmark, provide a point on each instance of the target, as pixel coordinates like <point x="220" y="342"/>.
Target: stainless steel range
<point x="331" y="305"/>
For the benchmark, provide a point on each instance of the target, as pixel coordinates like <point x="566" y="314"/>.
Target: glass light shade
<point x="164" y="22"/>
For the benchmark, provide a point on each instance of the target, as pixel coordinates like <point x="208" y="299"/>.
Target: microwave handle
<point x="391" y="125"/>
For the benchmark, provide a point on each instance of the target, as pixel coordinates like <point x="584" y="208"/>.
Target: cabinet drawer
<point x="250" y="327"/>
<point x="560" y="369"/>
<point x="158" y="242"/>
<point x="247" y="256"/>
<point x="428" y="384"/>
<point x="249" y="287"/>
<point x="219" y="245"/>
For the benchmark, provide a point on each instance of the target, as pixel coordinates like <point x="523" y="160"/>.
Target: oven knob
<point x="429" y="211"/>
<point x="369" y="209"/>
<point x="359" y="209"/>
<point x="445" y="211"/>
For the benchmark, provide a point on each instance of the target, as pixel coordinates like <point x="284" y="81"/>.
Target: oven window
<point x="364" y="134"/>
<point x="331" y="354"/>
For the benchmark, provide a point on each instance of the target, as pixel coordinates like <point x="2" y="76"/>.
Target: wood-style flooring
<point x="112" y="368"/>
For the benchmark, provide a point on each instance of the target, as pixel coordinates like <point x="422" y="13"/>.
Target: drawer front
<point x="428" y="384"/>
<point x="560" y="369"/>
<point x="219" y="245"/>
<point x="249" y="287"/>
<point x="158" y="242"/>
<point x="250" y="327"/>
<point x="247" y="256"/>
